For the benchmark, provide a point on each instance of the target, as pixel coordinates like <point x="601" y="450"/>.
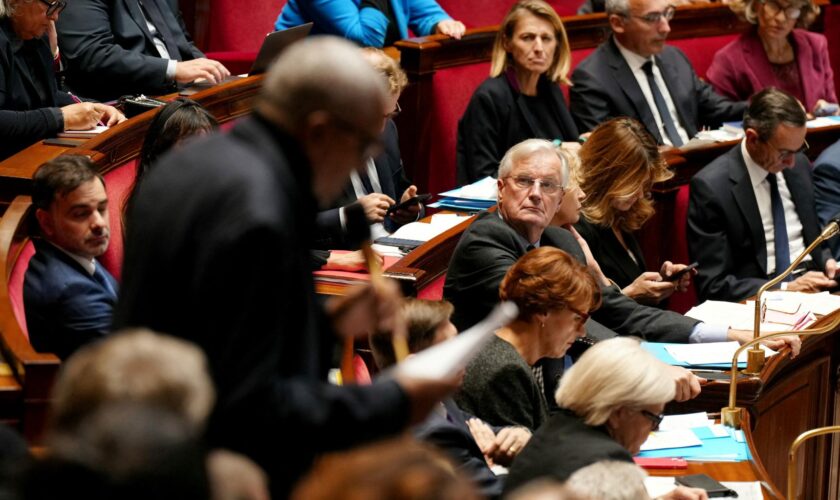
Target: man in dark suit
<point x="635" y="74"/>
<point x="117" y="47"/>
<point x="827" y="189"/>
<point x="751" y="211"/>
<point x="68" y="296"/>
<point x="227" y="266"/>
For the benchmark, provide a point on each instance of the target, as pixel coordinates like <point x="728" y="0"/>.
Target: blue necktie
<point x="103" y="280"/>
<point x="780" y="236"/>
<point x="667" y="121"/>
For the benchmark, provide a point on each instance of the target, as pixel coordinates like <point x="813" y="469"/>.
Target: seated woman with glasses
<point x="610" y="401"/>
<point x="522" y="98"/>
<point x="555" y="294"/>
<point x="31" y="105"/>
<point x="620" y="162"/>
<point x="778" y="52"/>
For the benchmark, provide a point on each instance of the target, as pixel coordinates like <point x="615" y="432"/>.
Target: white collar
<point x="88" y="264"/>
<point x="634" y="60"/>
<point x="757" y="174"/>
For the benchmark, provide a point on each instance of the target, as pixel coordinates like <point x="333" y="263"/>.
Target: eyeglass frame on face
<point x="776" y="8"/>
<point x="655" y="419"/>
<point x="654" y="18"/>
<point x="54" y="7"/>
<point x="582" y="316"/>
<point x="527" y="183"/>
<point x="785" y="154"/>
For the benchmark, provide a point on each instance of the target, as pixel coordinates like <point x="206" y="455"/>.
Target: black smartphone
<point x="705" y="482"/>
<point x="679" y="274"/>
<point x="420" y="198"/>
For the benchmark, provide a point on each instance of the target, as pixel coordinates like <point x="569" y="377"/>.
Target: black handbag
<point x="133" y="105"/>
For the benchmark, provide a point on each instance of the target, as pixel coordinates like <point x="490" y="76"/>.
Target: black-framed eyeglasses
<point x="653" y="417"/>
<point x="395" y="113"/>
<point x="546" y="186"/>
<point x="54" y="7"/>
<point x="773" y="9"/>
<point x="784" y="154"/>
<point x="582" y="317"/>
<point x="656" y="17"/>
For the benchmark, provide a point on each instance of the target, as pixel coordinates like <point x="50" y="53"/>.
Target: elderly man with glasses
<point x="752" y="212"/>
<point x="636" y="74"/>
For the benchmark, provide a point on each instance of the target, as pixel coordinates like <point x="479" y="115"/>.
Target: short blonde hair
<point x="612" y="374"/>
<point x="746" y="10"/>
<point x="559" y="70"/>
<point x="383" y="63"/>
<point x="136" y="366"/>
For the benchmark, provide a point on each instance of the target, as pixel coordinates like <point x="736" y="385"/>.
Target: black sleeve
<point x="479" y="148"/>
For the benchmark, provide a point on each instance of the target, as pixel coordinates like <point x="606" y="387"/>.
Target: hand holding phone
<point x="679" y="274"/>
<point x="420" y="198"/>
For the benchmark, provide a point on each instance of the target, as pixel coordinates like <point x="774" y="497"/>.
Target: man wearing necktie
<point x="636" y="74"/>
<point x="68" y="296"/>
<point x="751" y="211"/>
<point x="113" y="48"/>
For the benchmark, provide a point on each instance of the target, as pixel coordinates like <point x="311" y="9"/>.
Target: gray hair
<point x="619" y="7"/>
<point x="609" y="480"/>
<point x="771" y="107"/>
<point x="324" y="73"/>
<point x="612" y="374"/>
<point x="533" y="147"/>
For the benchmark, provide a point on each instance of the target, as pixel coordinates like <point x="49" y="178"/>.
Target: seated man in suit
<point x="68" y="296"/>
<point x="827" y="189"/>
<point x="635" y="74"/>
<point x="751" y="211"/>
<point x="531" y="183"/>
<point x="129" y="47"/>
<point x="377" y="186"/>
<point x="470" y="442"/>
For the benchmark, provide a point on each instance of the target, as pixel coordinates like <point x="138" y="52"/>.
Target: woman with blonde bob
<point x="619" y="164"/>
<point x="522" y="98"/>
<point x="610" y="401"/>
<point x="555" y="294"/>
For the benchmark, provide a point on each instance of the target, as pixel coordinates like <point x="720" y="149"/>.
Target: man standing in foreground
<point x="217" y="253"/>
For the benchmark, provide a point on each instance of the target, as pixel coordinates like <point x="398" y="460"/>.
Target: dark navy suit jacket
<point x="65" y="306"/>
<point x="827" y="189"/>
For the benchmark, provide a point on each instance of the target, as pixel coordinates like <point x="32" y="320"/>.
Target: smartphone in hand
<point x="420" y="198"/>
<point x="679" y="274"/>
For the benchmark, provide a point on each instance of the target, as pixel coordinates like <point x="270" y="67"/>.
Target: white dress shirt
<point x="377" y="230"/>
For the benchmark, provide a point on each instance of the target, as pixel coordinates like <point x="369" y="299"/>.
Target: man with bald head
<point x="217" y="253"/>
<point x="636" y="74"/>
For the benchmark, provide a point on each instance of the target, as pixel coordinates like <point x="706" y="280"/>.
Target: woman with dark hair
<point x="619" y="164"/>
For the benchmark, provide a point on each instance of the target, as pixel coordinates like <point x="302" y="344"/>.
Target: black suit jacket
<point x="610" y="254"/>
<point x="24" y="117"/>
<point x="497" y="118"/>
<point x="827" y="190"/>
<point x="560" y="447"/>
<point x="392" y="180"/>
<point x="227" y="267"/>
<point x="489" y="247"/>
<point x="108" y="51"/>
<point x="725" y="234"/>
<point x="604" y="87"/>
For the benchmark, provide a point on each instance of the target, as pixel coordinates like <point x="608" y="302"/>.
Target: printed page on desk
<point x="659" y="486"/>
<point x="446" y="359"/>
<point x="709" y="353"/>
<point x="734" y="315"/>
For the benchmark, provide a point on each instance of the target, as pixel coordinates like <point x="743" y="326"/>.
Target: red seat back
<point x="16" y="284"/>
<point x="434" y="290"/>
<point x="241" y="26"/>
<point x="681" y="302"/>
<point x="701" y="51"/>
<point x="118" y="182"/>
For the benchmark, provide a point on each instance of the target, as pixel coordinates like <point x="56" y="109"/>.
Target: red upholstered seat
<point x="118" y="183"/>
<point x="681" y="302"/>
<point x="236" y="31"/>
<point x="434" y="290"/>
<point x="16" y="284"/>
<point x="701" y="51"/>
<point x="361" y="370"/>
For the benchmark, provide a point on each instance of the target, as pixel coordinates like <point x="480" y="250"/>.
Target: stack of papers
<point x="784" y="312"/>
<point x="83" y="134"/>
<point x="422" y="231"/>
<point x="660" y="486"/>
<point x="349" y="277"/>
<point x="710" y="353"/>
<point x="696" y="438"/>
<point x="662" y="352"/>
<point x="474" y="197"/>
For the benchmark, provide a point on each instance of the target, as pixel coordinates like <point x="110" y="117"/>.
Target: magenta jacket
<point x="741" y="68"/>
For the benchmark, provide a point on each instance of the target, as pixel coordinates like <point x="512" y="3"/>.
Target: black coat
<point x="25" y="118"/>
<point x="613" y="259"/>
<point x="489" y="247"/>
<point x="561" y="447"/>
<point x="220" y="256"/>
<point x="604" y="87"/>
<point x="108" y="51"/>
<point x="497" y="118"/>
<point x="725" y="234"/>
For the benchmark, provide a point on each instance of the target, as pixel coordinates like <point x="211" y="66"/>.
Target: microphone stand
<point x="755" y="356"/>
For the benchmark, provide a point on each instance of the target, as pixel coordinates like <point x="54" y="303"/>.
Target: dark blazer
<point x="561" y="447"/>
<point x="392" y="180"/>
<point x="108" y="51"/>
<point x="604" y="87"/>
<point x="827" y="190"/>
<point x="610" y="254"/>
<point x="65" y="306"/>
<point x="725" y="234"/>
<point x="497" y="118"/>
<point x="228" y="267"/>
<point x="451" y="434"/>
<point x="490" y="246"/>
<point x="24" y="117"/>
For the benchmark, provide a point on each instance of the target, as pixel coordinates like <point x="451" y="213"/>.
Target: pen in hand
<point x="79" y="101"/>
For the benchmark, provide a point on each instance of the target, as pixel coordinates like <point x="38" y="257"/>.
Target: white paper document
<point x="686" y="421"/>
<point x="446" y="359"/>
<point x="484" y="189"/>
<point x="679" y="438"/>
<point x="659" y="486"/>
<point x="710" y="353"/>
<point x="735" y="315"/>
<point x="422" y="231"/>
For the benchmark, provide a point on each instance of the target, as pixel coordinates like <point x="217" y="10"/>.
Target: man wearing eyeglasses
<point x="751" y="211"/>
<point x="636" y="74"/>
<point x="113" y="48"/>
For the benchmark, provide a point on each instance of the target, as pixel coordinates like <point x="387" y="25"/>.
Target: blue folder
<point x="658" y="350"/>
<point x="713" y="448"/>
